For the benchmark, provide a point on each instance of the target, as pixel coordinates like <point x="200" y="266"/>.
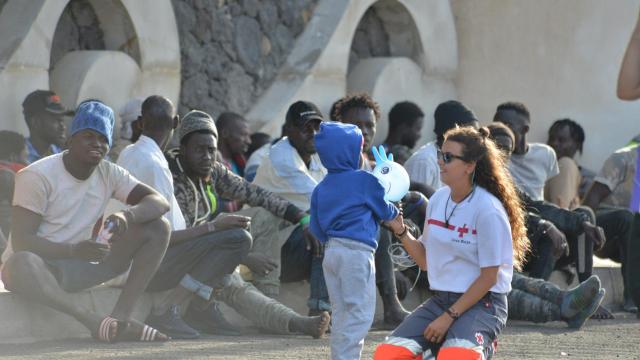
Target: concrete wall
<point x="561" y="58"/>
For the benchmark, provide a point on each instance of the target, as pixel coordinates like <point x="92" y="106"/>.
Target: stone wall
<point x="371" y="38"/>
<point x="232" y="50"/>
<point x="78" y="29"/>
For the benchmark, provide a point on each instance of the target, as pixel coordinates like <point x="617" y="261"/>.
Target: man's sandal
<point x="104" y="329"/>
<point x="127" y="331"/>
<point x="137" y="331"/>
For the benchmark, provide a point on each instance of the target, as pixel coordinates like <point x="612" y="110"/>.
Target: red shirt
<point x="14" y="167"/>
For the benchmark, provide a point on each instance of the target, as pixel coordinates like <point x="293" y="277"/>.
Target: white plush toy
<point x="392" y="175"/>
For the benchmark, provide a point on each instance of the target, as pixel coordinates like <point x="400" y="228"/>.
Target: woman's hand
<point x="437" y="330"/>
<point x="396" y="225"/>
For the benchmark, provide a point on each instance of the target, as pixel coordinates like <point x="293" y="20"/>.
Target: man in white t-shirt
<point x="58" y="207"/>
<point x="531" y="164"/>
<point x="422" y="166"/>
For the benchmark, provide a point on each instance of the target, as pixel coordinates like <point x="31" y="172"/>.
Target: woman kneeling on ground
<point x="474" y="236"/>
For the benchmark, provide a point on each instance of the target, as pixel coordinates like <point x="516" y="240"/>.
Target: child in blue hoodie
<point x="346" y="207"/>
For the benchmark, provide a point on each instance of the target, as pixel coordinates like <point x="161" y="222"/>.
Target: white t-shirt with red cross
<point x="478" y="235"/>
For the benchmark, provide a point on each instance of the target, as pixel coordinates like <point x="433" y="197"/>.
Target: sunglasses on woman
<point x="448" y="157"/>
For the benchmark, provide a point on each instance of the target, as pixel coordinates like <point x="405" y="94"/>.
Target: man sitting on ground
<point x="615" y="197"/>
<point x="44" y="115"/>
<point x="566" y="137"/>
<point x="405" y="129"/>
<point x="58" y="203"/>
<point x="548" y="220"/>
<point x="292" y="170"/>
<point x="531" y="164"/>
<point x="235" y="139"/>
<point x="130" y="128"/>
<point x="422" y="166"/>
<point x="13" y="157"/>
<point x="198" y="260"/>
<point x="199" y="182"/>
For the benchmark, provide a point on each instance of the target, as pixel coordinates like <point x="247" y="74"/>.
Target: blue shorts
<point x="477" y="328"/>
<point x="74" y="275"/>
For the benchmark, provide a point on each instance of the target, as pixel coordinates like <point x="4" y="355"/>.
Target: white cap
<point x="128" y="114"/>
<point x="131" y="110"/>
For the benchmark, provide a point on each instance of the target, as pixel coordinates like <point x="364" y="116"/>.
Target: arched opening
<point x="94" y="25"/>
<point x="386" y="29"/>
<point x="386" y="60"/>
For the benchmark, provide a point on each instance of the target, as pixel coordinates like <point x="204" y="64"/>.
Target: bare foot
<point x="316" y="326"/>
<point x="602" y="314"/>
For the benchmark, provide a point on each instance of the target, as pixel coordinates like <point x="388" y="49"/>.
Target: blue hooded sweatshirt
<point x="348" y="202"/>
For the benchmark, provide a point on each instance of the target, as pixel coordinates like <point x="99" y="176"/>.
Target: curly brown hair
<point x="491" y="174"/>
<point x="354" y="101"/>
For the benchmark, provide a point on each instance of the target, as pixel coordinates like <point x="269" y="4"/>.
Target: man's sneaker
<point x="210" y="321"/>
<point x="171" y="324"/>
<point x="580" y="297"/>
<point x="577" y="321"/>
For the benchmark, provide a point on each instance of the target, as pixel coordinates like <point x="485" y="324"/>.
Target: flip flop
<point x="104" y="329"/>
<point x="137" y="331"/>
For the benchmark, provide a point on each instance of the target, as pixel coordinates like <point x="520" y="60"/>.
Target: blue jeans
<point x="298" y="263"/>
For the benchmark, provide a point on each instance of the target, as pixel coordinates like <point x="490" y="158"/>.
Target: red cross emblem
<point x="463" y="230"/>
<point x="479" y="338"/>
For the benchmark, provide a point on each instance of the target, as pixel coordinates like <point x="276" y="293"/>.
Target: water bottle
<point x="106" y="233"/>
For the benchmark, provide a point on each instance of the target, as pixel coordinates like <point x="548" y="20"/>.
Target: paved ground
<point x="617" y="339"/>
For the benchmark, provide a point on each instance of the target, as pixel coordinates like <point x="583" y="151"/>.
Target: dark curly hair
<point x="575" y="130"/>
<point x="491" y="174"/>
<point x="355" y="101"/>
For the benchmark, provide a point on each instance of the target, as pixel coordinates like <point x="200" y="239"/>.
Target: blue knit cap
<point x="96" y="116"/>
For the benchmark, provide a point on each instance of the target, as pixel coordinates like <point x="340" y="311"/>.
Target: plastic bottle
<point x="106" y="233"/>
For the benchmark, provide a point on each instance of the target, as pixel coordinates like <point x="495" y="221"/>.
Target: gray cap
<point x="196" y="120"/>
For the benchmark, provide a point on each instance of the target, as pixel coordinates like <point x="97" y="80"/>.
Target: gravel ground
<point x="613" y="339"/>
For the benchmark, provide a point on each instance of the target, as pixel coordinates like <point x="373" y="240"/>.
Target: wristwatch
<point x="454" y="314"/>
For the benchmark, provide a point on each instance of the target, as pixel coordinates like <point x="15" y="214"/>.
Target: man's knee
<point x="626" y="217"/>
<point x="20" y="263"/>
<point x="242" y="239"/>
<point x="159" y="231"/>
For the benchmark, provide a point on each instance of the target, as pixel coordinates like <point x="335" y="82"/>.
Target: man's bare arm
<point x="147" y="203"/>
<point x="595" y="195"/>
<point x="24" y="237"/>
<point x="629" y="77"/>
